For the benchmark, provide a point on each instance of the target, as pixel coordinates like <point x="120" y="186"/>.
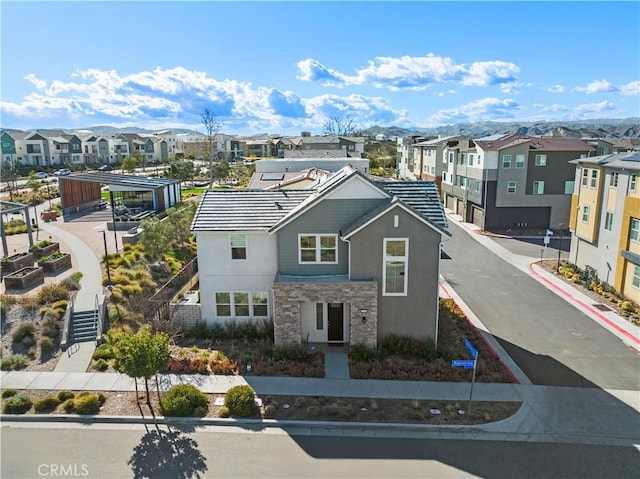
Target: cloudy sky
<point x="285" y="67"/>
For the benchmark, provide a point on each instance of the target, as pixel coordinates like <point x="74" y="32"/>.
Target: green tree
<point x="34" y="184"/>
<point x="129" y="163"/>
<point x="142" y="355"/>
<point x="181" y="170"/>
<point x="159" y="234"/>
<point x="220" y="170"/>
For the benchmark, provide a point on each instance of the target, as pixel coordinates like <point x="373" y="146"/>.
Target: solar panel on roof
<point x="272" y="177"/>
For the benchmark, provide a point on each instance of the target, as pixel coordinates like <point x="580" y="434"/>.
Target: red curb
<point x="588" y="308"/>
<point x="509" y="372"/>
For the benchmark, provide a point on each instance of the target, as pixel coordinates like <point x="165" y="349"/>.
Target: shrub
<point x="29" y="303"/>
<point x="240" y="401"/>
<point x="46" y="404"/>
<point x="104" y="351"/>
<point x="18" y="404"/>
<point x="23" y="330"/>
<point x="14" y="363"/>
<point x="64" y="395"/>
<point x="72" y="283"/>
<point x="46" y="344"/>
<point x="183" y="400"/>
<point x="50" y="293"/>
<point x="101" y="398"/>
<point x="68" y="405"/>
<point x="224" y="412"/>
<point x="101" y="365"/>
<point x="86" y="404"/>
<point x="7" y="393"/>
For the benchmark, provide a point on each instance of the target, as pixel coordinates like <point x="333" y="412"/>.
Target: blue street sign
<point x="472" y="350"/>
<point x="465" y="363"/>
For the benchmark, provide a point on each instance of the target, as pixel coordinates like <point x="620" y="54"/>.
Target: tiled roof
<point x="422" y="196"/>
<point x="245" y="210"/>
<point x="630" y="161"/>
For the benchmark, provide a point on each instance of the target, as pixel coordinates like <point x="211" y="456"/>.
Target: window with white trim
<point x="585" y="176"/>
<point x="635" y="280"/>
<point x="318" y="248"/>
<point x="319" y="316"/>
<point x="471" y="159"/>
<point x="519" y="161"/>
<point x="238" y="246"/>
<point x="633" y="181"/>
<point x="613" y="179"/>
<point x="540" y="160"/>
<point x="242" y="304"/>
<point x="395" y="261"/>
<point x="506" y="161"/>
<point x="608" y="221"/>
<point x="511" y="187"/>
<point x="634" y="231"/>
<point x="594" y="178"/>
<point x="538" y="187"/>
<point x="585" y="213"/>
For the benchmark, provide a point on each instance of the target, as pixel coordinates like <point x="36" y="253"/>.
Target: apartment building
<point x="605" y="220"/>
<point x="512" y="181"/>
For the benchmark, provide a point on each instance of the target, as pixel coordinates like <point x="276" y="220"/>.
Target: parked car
<point x="63" y="172"/>
<point x="105" y="168"/>
<point x="41" y="175"/>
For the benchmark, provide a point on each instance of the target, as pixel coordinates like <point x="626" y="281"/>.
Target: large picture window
<point x="395" y="262"/>
<point x="318" y="248"/>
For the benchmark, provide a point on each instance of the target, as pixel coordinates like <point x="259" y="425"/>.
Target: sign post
<point x="474" y="353"/>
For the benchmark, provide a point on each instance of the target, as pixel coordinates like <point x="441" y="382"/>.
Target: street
<point x="551" y="341"/>
<point x="120" y="451"/>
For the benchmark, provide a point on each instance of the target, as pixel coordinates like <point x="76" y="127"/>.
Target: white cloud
<point x="484" y="109"/>
<point x="598" y="86"/>
<point x="412" y="73"/>
<point x="630" y="89"/>
<point x="556" y="89"/>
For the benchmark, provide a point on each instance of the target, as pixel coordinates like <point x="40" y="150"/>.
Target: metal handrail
<point x="66" y="328"/>
<point x="99" y="320"/>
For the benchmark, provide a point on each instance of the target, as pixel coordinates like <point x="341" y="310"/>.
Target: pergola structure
<point x="8" y="207"/>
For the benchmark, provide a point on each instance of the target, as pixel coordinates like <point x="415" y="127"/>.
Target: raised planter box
<point x="122" y="225"/>
<point x="24" y="278"/>
<point x="17" y="261"/>
<point x="45" y="250"/>
<point x="54" y="265"/>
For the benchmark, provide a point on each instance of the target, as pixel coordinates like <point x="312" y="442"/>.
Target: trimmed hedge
<point x="184" y="400"/>
<point x="18" y="404"/>
<point x="240" y="401"/>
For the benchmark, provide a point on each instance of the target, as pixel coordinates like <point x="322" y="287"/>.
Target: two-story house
<point x="605" y="220"/>
<point x="12" y="146"/>
<point x="349" y="261"/>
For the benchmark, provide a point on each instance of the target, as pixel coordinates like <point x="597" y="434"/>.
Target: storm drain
<point x="602" y="307"/>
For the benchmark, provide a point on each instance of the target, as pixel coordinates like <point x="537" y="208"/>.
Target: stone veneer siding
<point x="187" y="314"/>
<point x="359" y="295"/>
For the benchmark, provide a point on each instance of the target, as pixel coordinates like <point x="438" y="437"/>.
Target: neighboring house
<point x="12" y="146"/>
<point x="429" y="157"/>
<point x="605" y="220"/>
<point x="290" y="165"/>
<point x="353" y="146"/>
<point x="512" y="181"/>
<point x="405" y="160"/>
<point x="37" y="151"/>
<point x="350" y="261"/>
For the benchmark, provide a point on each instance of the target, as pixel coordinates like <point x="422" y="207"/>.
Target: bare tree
<point x="341" y="126"/>
<point x="211" y="125"/>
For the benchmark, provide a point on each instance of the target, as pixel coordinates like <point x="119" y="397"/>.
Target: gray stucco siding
<point x="415" y="313"/>
<point x="330" y="217"/>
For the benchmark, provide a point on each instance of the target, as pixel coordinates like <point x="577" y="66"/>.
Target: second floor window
<point x="634" y="232"/>
<point x="396" y="255"/>
<point x="608" y="221"/>
<point x="519" y="161"/>
<point x="538" y="187"/>
<point x="633" y="181"/>
<point x="506" y="161"/>
<point x="585" y="176"/>
<point x="238" y="247"/>
<point x="594" y="178"/>
<point x="318" y="248"/>
<point x="541" y="160"/>
<point x="585" y="213"/>
<point x="613" y="180"/>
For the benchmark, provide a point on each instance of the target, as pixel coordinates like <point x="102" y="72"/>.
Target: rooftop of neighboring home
<point x="267" y="210"/>
<point x="629" y="161"/>
<point x="541" y="143"/>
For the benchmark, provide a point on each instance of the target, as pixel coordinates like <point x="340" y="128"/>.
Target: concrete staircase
<point x="83" y="326"/>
